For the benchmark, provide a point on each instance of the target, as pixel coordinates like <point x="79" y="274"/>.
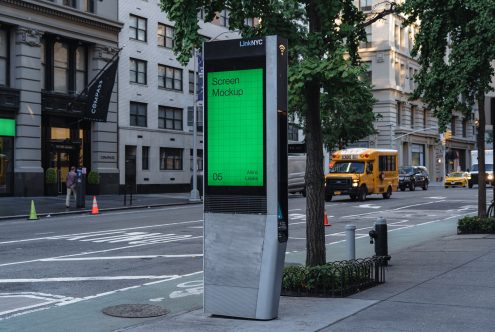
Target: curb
<point x="64" y="213"/>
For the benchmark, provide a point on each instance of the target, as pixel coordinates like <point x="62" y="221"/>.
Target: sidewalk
<point x="446" y="284"/>
<point x="19" y="207"/>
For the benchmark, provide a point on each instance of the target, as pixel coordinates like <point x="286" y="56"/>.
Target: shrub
<point x="51" y="175"/>
<point x="93" y="177"/>
<point x="333" y="279"/>
<point x="475" y="225"/>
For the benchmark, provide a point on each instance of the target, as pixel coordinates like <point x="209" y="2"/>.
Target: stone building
<point x="49" y="52"/>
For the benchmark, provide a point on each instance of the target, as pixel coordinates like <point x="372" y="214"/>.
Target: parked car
<point x="457" y="179"/>
<point x="296" y="173"/>
<point x="412" y="177"/>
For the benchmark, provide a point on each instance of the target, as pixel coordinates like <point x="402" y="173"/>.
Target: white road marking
<point x="396" y="209"/>
<point x="369" y="206"/>
<point x="71" y="279"/>
<point x="117" y="258"/>
<point x="89" y="252"/>
<point x="194" y="287"/>
<point x="295" y="210"/>
<point x="100" y="232"/>
<point x="46" y="298"/>
<point x="437" y="197"/>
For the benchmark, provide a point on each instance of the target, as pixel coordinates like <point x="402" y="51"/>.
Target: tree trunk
<point x="480" y="141"/>
<point x="315" y="200"/>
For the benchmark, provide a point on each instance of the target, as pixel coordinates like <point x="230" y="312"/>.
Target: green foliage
<point x="331" y="279"/>
<point x="51" y="176"/>
<point x="476" y="225"/>
<point x="323" y="39"/>
<point x="93" y="177"/>
<point x="455" y="49"/>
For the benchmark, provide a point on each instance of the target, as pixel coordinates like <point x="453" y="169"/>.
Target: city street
<point x="62" y="271"/>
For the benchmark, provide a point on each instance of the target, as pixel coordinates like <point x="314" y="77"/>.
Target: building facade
<point x="407" y="125"/>
<point x="156" y="95"/>
<point x="49" y="52"/>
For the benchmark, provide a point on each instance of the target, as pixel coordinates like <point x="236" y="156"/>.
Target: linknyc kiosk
<point x="245" y="201"/>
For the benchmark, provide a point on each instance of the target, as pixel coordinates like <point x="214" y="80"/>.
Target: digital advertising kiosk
<point x="245" y="198"/>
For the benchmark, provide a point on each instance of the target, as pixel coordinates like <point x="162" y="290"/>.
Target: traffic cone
<point x="325" y="220"/>
<point x="32" y="213"/>
<point x="94" y="210"/>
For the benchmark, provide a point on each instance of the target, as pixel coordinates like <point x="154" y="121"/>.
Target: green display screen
<point x="7" y="127"/>
<point x="235" y="128"/>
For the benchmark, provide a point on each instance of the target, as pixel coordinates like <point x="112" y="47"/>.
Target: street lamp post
<point x="194" y="191"/>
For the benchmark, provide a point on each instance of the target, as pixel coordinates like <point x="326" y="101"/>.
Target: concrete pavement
<point x="446" y="284"/>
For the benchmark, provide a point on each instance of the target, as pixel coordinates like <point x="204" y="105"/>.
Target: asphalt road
<point x="61" y="272"/>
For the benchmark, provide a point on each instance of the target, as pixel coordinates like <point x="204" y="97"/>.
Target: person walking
<point x="70" y="182"/>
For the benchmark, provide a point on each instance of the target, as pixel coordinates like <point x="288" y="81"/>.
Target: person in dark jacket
<point x="70" y="182"/>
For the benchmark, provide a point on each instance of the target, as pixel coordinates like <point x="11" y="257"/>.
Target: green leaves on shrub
<point x="475" y="225"/>
<point x="331" y="279"/>
<point x="51" y="176"/>
<point x="93" y="177"/>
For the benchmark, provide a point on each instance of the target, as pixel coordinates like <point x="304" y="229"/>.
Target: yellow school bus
<point x="360" y="172"/>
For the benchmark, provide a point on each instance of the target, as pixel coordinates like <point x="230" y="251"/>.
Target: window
<point x="137" y="71"/>
<point x="418" y="154"/>
<point x="81" y="68"/>
<point x="452" y="125"/>
<point x="293" y="132"/>
<point x="88" y="6"/>
<point x="411" y="79"/>
<point x="425" y="118"/>
<point x="399" y="112"/>
<point x="397" y="36"/>
<point x="137" y="28"/>
<point x="138" y="116"/>
<point x="145" y="157"/>
<point x="368" y="75"/>
<point x="365" y="5"/>
<point x="199" y="159"/>
<point x="402" y="76"/>
<point x="4" y="58"/>
<point x="64" y="65"/>
<point x="397" y="73"/>
<point x="191" y="82"/>
<point x="61" y="67"/>
<point x="169" y="118"/>
<point x="165" y="36"/>
<point x="368" y="43"/>
<point x="413" y="113"/>
<point x="386" y="163"/>
<point x="169" y="78"/>
<point x="170" y="159"/>
<point x="249" y="22"/>
<point x="70" y="3"/>
<point x="224" y="18"/>
<point x="464" y="127"/>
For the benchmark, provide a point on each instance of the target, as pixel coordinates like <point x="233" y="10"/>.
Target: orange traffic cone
<point x="325" y="220"/>
<point x="94" y="210"/>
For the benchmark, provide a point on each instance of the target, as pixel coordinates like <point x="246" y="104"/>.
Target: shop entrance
<point x="62" y="160"/>
<point x="65" y="146"/>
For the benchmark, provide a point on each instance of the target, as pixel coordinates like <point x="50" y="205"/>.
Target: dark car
<point x="412" y="177"/>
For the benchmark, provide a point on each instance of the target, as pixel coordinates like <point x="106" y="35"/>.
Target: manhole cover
<point x="135" y="311"/>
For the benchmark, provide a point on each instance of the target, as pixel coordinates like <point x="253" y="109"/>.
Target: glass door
<point x="61" y="161"/>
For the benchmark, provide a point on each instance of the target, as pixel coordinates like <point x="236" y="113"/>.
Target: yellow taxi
<point x="457" y="179"/>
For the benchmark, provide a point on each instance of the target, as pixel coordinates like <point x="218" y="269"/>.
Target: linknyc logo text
<point x="246" y="43"/>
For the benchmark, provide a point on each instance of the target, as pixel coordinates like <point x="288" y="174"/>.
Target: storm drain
<point x="135" y="311"/>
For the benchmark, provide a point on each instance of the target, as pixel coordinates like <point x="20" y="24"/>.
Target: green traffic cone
<point x="32" y="214"/>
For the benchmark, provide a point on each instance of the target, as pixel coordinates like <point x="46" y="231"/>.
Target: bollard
<point x="350" y="231"/>
<point x="379" y="236"/>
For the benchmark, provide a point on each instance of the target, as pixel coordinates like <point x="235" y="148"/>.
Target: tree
<point x="323" y="40"/>
<point x="455" y="49"/>
<point x="347" y="117"/>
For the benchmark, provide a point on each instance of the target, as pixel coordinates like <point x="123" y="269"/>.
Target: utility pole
<point x="194" y="191"/>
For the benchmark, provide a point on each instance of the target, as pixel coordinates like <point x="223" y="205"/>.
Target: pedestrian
<point x="70" y="182"/>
